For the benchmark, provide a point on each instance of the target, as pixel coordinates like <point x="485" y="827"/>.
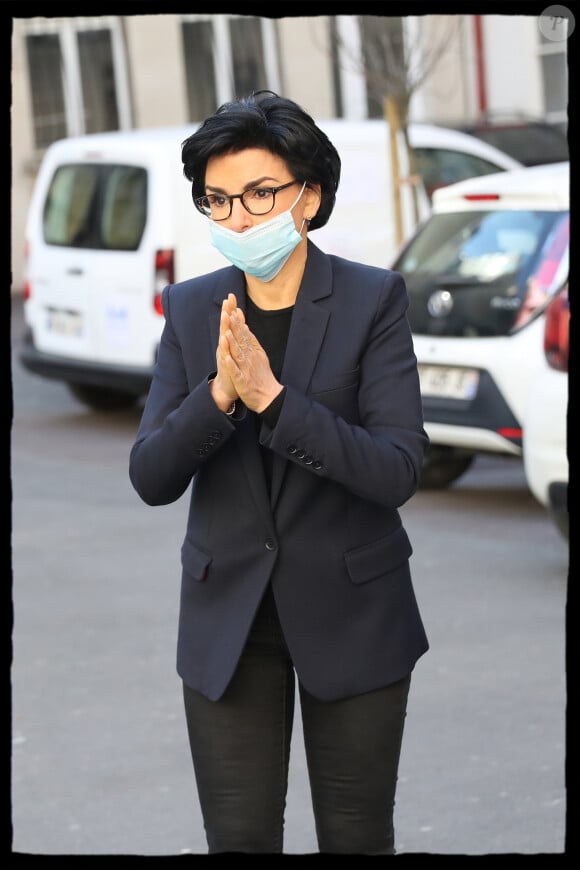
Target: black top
<point x="271" y="328"/>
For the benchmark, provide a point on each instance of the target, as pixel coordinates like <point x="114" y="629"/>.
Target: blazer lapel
<point x="231" y="280"/>
<point x="307" y="330"/>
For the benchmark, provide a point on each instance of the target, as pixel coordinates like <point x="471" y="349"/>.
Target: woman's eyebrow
<point x="247" y="186"/>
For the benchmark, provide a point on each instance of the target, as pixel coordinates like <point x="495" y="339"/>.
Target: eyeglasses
<point x="256" y="200"/>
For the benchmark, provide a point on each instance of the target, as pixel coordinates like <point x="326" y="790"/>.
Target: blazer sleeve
<point x="181" y="427"/>
<point x="377" y="451"/>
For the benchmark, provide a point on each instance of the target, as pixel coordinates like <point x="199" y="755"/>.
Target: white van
<point x="111" y="222"/>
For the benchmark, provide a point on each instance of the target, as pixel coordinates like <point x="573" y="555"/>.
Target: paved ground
<point x="100" y="764"/>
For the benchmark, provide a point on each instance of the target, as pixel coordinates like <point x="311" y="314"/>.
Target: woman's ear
<point x="312" y="201"/>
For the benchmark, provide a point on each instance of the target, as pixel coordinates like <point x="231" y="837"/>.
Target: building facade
<point x="89" y="74"/>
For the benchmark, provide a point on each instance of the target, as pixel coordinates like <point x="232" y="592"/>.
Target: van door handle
<point x="75" y="270"/>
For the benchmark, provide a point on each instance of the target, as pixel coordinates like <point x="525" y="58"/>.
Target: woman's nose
<point x="240" y="219"/>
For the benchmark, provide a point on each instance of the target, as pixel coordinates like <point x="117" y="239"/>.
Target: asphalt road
<point x="100" y="763"/>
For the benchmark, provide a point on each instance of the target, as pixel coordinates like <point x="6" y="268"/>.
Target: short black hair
<point x="281" y="126"/>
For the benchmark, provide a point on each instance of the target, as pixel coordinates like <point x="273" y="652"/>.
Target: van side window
<point x="98" y="206"/>
<point x="439" y="167"/>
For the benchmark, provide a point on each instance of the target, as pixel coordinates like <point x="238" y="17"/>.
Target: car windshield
<point x="488" y="263"/>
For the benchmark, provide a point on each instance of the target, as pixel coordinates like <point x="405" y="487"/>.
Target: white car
<point x="546" y="419"/>
<point x="480" y="271"/>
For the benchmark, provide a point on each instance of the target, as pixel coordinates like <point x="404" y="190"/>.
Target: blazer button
<point x="308" y="460"/>
<point x="291" y="449"/>
<point x="270" y="544"/>
<point x="317" y="464"/>
<point x="301" y="454"/>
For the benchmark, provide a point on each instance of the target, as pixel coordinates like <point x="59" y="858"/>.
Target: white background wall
<point x="513" y="70"/>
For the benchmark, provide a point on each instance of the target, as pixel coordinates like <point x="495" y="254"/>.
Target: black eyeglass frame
<point x="197" y="201"/>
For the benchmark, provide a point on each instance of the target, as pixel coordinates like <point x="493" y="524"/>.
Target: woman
<point x="286" y="393"/>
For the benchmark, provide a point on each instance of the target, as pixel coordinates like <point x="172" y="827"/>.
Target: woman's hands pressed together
<point x="243" y="367"/>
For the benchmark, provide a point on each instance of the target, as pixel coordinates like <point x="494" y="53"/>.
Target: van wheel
<point x="102" y="398"/>
<point x="443" y="465"/>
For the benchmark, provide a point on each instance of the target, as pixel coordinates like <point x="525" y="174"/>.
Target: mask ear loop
<point x="298" y="197"/>
<point x="305" y="220"/>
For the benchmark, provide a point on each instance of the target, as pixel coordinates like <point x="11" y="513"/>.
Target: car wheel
<point x="102" y="398"/>
<point x="443" y="465"/>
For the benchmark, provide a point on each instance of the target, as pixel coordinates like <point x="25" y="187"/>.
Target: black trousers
<point x="240" y="746"/>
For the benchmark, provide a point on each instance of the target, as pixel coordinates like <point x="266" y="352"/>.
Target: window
<point x="199" y="54"/>
<point x="98" y="81"/>
<point x="77" y="75"/>
<point x="96" y="206"/>
<point x="555" y="79"/>
<point x="46" y="88"/>
<point x="384" y="57"/>
<point x="367" y="51"/>
<point x="531" y="142"/>
<point x="227" y="56"/>
<point x="248" y="55"/>
<point x="439" y="167"/>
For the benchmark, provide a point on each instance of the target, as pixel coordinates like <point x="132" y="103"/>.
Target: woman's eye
<point x="260" y="193"/>
<point x="217" y="201"/>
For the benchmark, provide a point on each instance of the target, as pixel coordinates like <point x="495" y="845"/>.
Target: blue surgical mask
<point x="262" y="250"/>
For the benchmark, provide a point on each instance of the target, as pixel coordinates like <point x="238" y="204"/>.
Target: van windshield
<point x="99" y="206"/>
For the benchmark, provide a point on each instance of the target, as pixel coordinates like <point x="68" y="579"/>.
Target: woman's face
<point x="228" y="174"/>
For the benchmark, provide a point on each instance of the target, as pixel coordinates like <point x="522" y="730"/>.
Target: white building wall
<point x="512" y="67"/>
<point x="306" y="65"/>
<point x="24" y="162"/>
<point x="352" y="83"/>
<point x="439" y="54"/>
<point x="155" y="49"/>
<point x="467" y="50"/>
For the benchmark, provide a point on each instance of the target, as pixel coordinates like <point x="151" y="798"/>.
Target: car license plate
<point x="448" y="382"/>
<point x="64" y="322"/>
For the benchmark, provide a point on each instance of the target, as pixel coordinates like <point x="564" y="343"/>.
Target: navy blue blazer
<point x="348" y="450"/>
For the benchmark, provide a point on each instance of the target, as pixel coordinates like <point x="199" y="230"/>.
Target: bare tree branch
<point x="394" y="68"/>
<point x="390" y="64"/>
